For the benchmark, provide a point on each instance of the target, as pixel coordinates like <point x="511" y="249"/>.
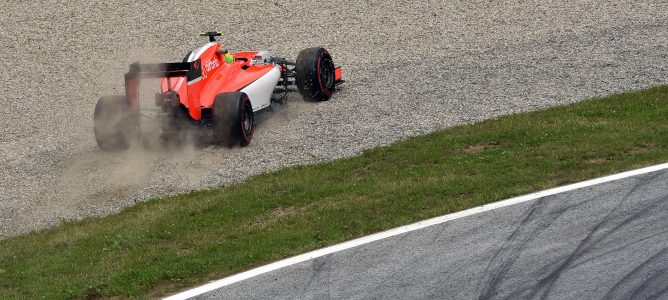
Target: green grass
<point x="166" y="244"/>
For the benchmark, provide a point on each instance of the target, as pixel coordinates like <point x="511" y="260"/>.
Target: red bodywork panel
<point x="218" y="76"/>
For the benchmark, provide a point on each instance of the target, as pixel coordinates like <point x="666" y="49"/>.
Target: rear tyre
<point x="314" y="74"/>
<point x="233" y="119"/>
<point x="115" y="125"/>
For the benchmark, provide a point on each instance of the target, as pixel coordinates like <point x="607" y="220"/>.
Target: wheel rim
<point x="327" y="73"/>
<point x="247" y="119"/>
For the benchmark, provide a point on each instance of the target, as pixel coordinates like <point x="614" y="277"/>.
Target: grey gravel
<point x="412" y="68"/>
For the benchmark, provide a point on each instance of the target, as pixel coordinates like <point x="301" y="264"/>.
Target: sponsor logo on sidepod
<point x="210" y="65"/>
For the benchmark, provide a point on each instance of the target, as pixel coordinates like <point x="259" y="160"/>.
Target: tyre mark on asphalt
<point x="618" y="290"/>
<point x="443" y="292"/>
<point x="491" y="286"/>
<point x="544" y="286"/>
<point x="658" y="294"/>
<point x="320" y="269"/>
<point x="619" y="248"/>
<point x="512" y="250"/>
<point x="547" y="284"/>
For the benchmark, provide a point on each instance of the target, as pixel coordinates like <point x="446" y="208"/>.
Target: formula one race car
<point x="214" y="89"/>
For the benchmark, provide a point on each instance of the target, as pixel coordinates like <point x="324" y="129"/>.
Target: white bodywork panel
<point x="195" y="54"/>
<point x="260" y="90"/>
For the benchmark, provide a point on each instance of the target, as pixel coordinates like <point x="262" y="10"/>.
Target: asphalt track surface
<point x="608" y="241"/>
<point x="411" y="68"/>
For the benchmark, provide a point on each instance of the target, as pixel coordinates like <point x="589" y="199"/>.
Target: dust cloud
<point x="96" y="181"/>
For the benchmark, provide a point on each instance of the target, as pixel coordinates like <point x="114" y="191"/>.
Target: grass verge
<point x="166" y="244"/>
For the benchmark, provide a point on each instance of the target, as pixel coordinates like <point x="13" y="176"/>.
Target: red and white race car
<point x="216" y="90"/>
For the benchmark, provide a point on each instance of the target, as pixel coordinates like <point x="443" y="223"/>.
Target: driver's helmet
<point x="229" y="58"/>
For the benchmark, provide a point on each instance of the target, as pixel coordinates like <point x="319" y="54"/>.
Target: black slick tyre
<point x="232" y="119"/>
<point x="314" y="74"/>
<point x="115" y="125"/>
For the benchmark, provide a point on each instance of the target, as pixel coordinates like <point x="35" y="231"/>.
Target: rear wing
<point x="191" y="70"/>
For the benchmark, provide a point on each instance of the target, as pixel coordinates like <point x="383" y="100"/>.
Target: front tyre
<point x="314" y="74"/>
<point x="233" y="119"/>
<point x="114" y="124"/>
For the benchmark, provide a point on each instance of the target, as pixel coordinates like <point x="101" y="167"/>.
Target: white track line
<point x="403" y="229"/>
